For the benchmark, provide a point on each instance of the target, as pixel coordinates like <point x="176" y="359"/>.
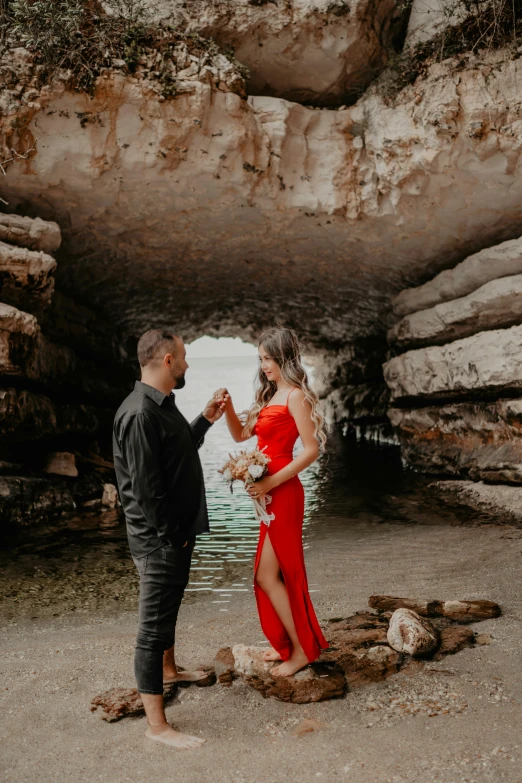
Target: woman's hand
<point x="223" y="398"/>
<point x="258" y="489"/>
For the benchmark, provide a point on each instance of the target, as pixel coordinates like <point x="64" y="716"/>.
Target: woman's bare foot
<point x="297" y="661"/>
<point x="175" y="739"/>
<point x="169" y="677"/>
<point x="271" y="655"/>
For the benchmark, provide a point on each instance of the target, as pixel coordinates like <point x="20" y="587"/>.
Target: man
<point x="160" y="483"/>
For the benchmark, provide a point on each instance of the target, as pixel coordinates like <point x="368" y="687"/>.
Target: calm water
<point x="83" y="563"/>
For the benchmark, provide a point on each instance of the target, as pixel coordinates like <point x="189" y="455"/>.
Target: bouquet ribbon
<point x="260" y="510"/>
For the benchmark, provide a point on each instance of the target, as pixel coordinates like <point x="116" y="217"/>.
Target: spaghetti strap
<point x="289" y="393"/>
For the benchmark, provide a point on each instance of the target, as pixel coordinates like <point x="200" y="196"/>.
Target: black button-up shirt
<point x="158" y="470"/>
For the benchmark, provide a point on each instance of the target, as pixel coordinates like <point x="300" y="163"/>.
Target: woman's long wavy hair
<point x="283" y="347"/>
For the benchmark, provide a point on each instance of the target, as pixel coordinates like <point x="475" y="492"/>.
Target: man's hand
<point x="216" y="407"/>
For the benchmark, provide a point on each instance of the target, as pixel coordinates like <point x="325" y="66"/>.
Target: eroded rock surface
<point x="315" y="683"/>
<point x="309" y="51"/>
<point x="478" y="440"/>
<point x="486" y="363"/>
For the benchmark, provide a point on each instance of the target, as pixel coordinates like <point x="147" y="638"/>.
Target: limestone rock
<point x="491" y="263"/>
<point x="30" y="233"/>
<point x="485" y="362"/>
<point x="429" y="18"/>
<point x="26" y="352"/>
<point x="498" y="503"/>
<point x="307" y="51"/>
<point x="26" y="277"/>
<point x="31" y="500"/>
<point x="479" y="440"/>
<point x="110" y="496"/>
<point x="263" y="174"/>
<point x="61" y="463"/>
<point x="28" y="416"/>
<point x="493" y="305"/>
<point x="411" y="634"/>
<point x="315" y="683"/>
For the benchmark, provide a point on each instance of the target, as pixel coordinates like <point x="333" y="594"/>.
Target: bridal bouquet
<point x="248" y="467"/>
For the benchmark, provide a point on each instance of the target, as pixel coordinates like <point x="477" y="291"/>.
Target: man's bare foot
<point x="297" y="661"/>
<point x="169" y="677"/>
<point x="175" y="739"/>
<point x="271" y="655"/>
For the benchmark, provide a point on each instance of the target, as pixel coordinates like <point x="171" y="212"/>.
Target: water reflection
<point x="83" y="563"/>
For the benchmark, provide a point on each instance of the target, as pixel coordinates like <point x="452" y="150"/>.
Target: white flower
<point x="227" y="474"/>
<point x="256" y="471"/>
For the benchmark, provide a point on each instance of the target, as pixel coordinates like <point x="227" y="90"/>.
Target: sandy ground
<point x="456" y="721"/>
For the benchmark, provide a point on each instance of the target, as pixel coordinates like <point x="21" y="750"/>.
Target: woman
<point x="284" y="409"/>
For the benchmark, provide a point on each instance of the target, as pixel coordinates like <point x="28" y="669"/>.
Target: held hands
<point x="216" y="407"/>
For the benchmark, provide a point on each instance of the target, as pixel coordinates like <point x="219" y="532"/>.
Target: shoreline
<point x="55" y="665"/>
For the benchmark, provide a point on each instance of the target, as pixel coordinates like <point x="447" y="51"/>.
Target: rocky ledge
<point x="63" y="371"/>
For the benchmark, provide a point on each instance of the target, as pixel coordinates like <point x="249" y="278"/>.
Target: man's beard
<point x="179" y="381"/>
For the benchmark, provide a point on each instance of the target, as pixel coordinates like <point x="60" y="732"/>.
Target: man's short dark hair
<point x="154" y="344"/>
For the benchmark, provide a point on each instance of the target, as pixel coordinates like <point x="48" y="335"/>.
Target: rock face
<point x="411" y="634"/>
<point x="314" y="212"/>
<point x="54" y="394"/>
<point x="308" y="51"/>
<point x="495" y="304"/>
<point x="484" y="363"/>
<point x="492" y="263"/>
<point x="315" y="683"/>
<point x="465" y="355"/>
<point x="480" y="441"/>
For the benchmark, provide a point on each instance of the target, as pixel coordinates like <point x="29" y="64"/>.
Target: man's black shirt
<point x="159" y="475"/>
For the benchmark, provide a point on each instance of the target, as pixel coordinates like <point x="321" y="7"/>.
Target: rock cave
<point x="309" y="188"/>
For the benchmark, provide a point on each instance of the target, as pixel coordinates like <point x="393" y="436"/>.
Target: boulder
<point x="493" y="305"/>
<point x="412" y="634"/>
<point x="30" y="233"/>
<point x="491" y="263"/>
<point x="486" y="363"/>
<point x="388" y="603"/>
<point x="26" y="278"/>
<point x="480" y="440"/>
<point x="317" y="682"/>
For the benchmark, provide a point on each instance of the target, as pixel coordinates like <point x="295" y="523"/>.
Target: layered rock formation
<point x="61" y="375"/>
<point x="458" y="407"/>
<point x="186" y="199"/>
<point x="323" y="52"/>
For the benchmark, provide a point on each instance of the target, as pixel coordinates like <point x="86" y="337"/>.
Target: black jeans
<point x="164" y="576"/>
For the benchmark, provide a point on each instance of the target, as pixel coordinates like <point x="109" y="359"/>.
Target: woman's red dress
<point x="277" y="433"/>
